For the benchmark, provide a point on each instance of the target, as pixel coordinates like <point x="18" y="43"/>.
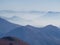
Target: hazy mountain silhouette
<point x="48" y="35"/>
<point x="6" y="26"/>
<point x="7" y="11"/>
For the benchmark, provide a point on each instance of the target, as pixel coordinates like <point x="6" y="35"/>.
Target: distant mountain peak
<point x="51" y="27"/>
<point x="53" y="12"/>
<point x="31" y="27"/>
<point x="28" y="25"/>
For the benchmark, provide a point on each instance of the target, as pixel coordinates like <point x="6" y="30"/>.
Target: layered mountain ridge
<point x="48" y="35"/>
<point x="6" y="26"/>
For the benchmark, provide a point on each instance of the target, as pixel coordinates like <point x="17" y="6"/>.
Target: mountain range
<point x="48" y="35"/>
<point x="6" y="26"/>
<point x="32" y="11"/>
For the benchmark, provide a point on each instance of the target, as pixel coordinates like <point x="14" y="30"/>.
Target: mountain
<point x="13" y="11"/>
<point x="52" y="14"/>
<point x="48" y="35"/>
<point x="7" y="11"/>
<point x="6" y="26"/>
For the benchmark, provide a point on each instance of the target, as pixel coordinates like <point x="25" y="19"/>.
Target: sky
<point x="44" y="5"/>
<point x="31" y="12"/>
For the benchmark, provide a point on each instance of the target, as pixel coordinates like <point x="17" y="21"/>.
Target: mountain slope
<point x="6" y="26"/>
<point x="49" y="35"/>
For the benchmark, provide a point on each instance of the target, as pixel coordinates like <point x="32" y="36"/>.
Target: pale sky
<point x="44" y="5"/>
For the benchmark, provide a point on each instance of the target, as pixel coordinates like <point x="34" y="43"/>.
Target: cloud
<point x="39" y="19"/>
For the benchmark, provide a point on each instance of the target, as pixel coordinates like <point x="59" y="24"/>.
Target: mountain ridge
<point x="6" y="26"/>
<point x="37" y="36"/>
<point x="47" y="35"/>
<point x="30" y="11"/>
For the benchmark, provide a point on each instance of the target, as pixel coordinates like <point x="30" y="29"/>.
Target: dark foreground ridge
<point x="11" y="41"/>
